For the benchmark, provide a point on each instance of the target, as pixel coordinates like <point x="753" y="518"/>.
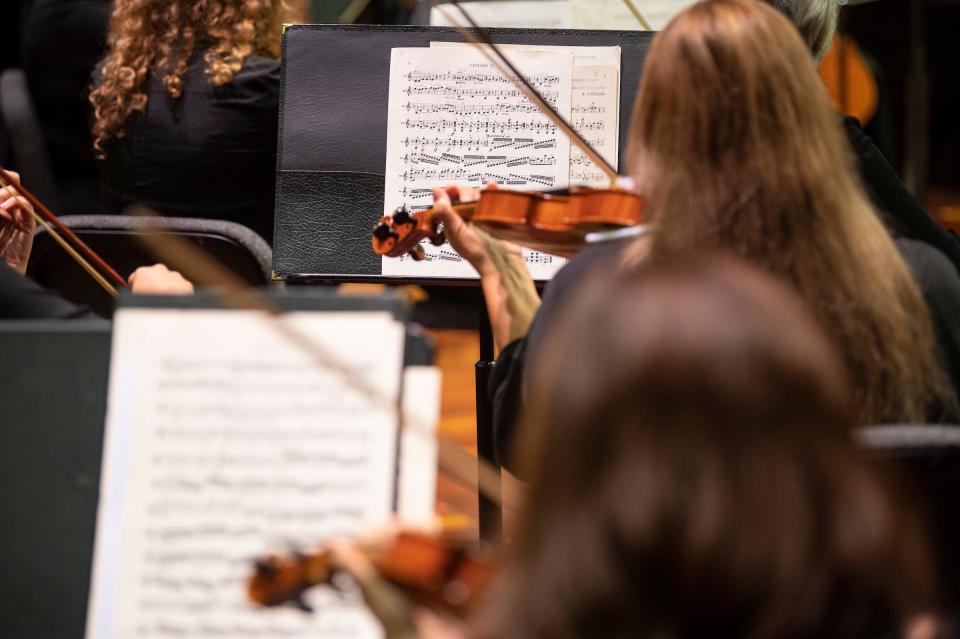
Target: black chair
<point x="115" y="239"/>
<point x="27" y="151"/>
<point x="929" y="459"/>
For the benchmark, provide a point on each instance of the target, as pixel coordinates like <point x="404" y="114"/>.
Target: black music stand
<point x="332" y="156"/>
<point x="51" y="438"/>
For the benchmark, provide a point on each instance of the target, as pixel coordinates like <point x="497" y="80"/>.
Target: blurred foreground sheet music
<point x="226" y="441"/>
<point x="454" y="118"/>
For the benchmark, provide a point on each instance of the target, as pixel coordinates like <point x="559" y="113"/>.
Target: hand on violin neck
<point x="17" y="226"/>
<point x="463" y="237"/>
<point x="511" y="296"/>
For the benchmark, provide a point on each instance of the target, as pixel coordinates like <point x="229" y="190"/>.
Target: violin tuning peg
<point x="382" y="231"/>
<point x="265" y="568"/>
<point x="418" y="254"/>
<point x="438" y="239"/>
<point x="402" y="216"/>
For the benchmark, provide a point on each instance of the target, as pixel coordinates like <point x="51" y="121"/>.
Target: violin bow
<point x="636" y="14"/>
<point x="61" y="233"/>
<point x="481" y="39"/>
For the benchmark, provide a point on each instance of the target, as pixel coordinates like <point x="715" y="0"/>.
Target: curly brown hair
<point x="162" y="36"/>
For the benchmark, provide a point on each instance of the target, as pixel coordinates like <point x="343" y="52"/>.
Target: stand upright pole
<point x="490" y="513"/>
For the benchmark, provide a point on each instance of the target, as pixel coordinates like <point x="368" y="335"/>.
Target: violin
<point x="556" y="223"/>
<point x="850" y="81"/>
<point x="440" y="573"/>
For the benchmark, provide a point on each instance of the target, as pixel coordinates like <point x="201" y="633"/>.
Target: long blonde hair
<point x="736" y="147"/>
<point x="162" y="36"/>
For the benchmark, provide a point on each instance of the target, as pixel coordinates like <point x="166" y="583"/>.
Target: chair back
<point x="117" y="239"/>
<point x="27" y="150"/>
<point x="929" y="457"/>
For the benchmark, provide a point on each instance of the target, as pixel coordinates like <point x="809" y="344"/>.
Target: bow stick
<point x="639" y="16"/>
<point x="481" y="38"/>
<point x="49" y="221"/>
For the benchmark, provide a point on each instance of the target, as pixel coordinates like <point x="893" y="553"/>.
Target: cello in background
<point x="850" y="82"/>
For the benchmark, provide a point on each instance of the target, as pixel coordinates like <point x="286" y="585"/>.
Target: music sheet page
<point x="454" y="118"/>
<point x="540" y="14"/>
<point x="594" y="104"/>
<point x="596" y="116"/>
<point x="226" y="441"/>
<point x="614" y="14"/>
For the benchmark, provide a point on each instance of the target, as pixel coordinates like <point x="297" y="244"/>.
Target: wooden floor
<point x="457" y="353"/>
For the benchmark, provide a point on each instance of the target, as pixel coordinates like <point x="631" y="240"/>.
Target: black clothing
<point x="62" y="42"/>
<point x="898" y="208"/>
<point x="507" y="386"/>
<point x="940" y="285"/>
<point x="22" y="298"/>
<point x="210" y="153"/>
<point x="937" y="280"/>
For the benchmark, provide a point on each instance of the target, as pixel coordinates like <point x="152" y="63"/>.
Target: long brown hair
<point x="736" y="147"/>
<point x="162" y="36"/>
<point x="693" y="475"/>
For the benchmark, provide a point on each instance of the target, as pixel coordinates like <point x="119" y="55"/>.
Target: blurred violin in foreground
<point x="439" y="573"/>
<point x="556" y="223"/>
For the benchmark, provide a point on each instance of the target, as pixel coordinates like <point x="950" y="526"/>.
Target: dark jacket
<point x="22" y="298"/>
<point x="898" y="208"/>
<point x="210" y="153"/>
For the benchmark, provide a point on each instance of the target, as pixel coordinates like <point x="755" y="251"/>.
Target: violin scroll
<point x="402" y="233"/>
<point x="440" y="573"/>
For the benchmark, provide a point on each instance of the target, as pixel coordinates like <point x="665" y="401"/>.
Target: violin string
<point x="6" y="179"/>
<point x="236" y="293"/>
<point x="639" y="16"/>
<point x="492" y="52"/>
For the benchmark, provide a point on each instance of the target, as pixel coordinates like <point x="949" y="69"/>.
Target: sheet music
<point x="224" y="441"/>
<point x="418" y="446"/>
<point x="594" y="103"/>
<point x="596" y="116"/>
<point x="541" y="14"/>
<point x="614" y="14"/>
<point x="454" y="118"/>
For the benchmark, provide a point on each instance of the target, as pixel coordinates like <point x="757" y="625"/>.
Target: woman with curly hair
<point x="185" y="108"/>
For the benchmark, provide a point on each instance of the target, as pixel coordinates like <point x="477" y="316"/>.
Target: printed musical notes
<point x="454" y="118"/>
<point x="226" y="441"/>
<point x="594" y="104"/>
<point x="596" y="116"/>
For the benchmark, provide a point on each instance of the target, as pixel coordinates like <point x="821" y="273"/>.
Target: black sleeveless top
<point x="210" y="153"/>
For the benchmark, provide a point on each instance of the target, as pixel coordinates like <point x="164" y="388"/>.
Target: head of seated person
<point x="694" y="475"/>
<point x="816" y="20"/>
<point x="735" y="146"/>
<point x="185" y="107"/>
